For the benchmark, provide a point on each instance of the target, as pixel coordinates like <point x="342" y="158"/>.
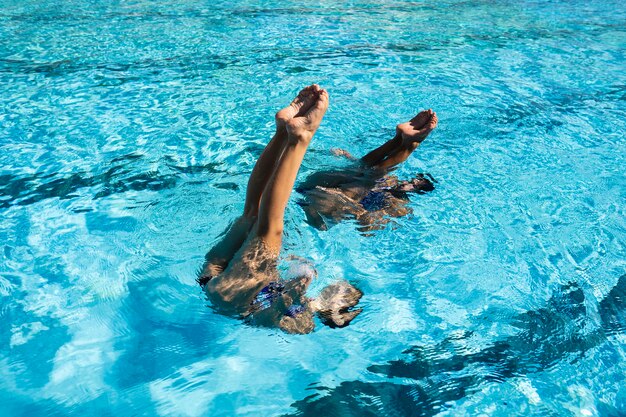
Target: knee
<point x="269" y="231"/>
<point x="244" y="223"/>
<point x="273" y="232"/>
<point x="250" y="213"/>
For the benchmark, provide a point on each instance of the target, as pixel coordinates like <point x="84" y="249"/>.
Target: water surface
<point x="128" y="131"/>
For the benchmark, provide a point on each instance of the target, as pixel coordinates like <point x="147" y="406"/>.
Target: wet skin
<point x="331" y="196"/>
<point x="240" y="276"/>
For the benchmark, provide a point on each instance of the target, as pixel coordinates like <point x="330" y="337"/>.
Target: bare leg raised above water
<point x="408" y="137"/>
<point x="326" y="191"/>
<point x="233" y="238"/>
<point x="300" y="130"/>
<point x="396" y="150"/>
<point x="267" y="162"/>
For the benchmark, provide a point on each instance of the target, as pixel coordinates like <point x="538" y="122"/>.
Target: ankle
<point x="397" y="139"/>
<point x="281" y="133"/>
<point x="300" y="138"/>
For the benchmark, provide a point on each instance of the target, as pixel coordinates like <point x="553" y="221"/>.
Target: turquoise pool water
<point x="128" y="131"/>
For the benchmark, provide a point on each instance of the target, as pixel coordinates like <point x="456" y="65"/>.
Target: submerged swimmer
<point x="365" y="191"/>
<point x="240" y="275"/>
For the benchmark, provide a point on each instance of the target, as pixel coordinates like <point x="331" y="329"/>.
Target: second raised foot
<point x="418" y="128"/>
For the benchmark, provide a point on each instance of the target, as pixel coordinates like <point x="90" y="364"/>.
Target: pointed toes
<point x="311" y="103"/>
<point x="323" y="97"/>
<point x="421" y="119"/>
<point x="320" y="106"/>
<point x="433" y="121"/>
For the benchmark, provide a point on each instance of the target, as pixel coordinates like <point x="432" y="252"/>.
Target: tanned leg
<point x="300" y="131"/>
<point x="266" y="164"/>
<point x="377" y="155"/>
<point x="220" y="255"/>
<point x="412" y="134"/>
<point x="408" y="137"/>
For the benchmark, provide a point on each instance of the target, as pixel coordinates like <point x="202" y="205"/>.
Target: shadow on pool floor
<point x="444" y="373"/>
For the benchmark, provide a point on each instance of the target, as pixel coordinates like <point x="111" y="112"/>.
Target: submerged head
<point x="335" y="304"/>
<point x="419" y="184"/>
<point x="334" y="307"/>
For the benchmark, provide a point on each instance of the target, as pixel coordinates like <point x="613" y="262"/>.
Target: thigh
<point x="252" y="267"/>
<point x="233" y="238"/>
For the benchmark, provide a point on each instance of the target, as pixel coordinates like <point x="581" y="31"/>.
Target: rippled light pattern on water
<point x="128" y="130"/>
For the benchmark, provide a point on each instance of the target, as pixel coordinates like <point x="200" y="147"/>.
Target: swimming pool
<point x="128" y="131"/>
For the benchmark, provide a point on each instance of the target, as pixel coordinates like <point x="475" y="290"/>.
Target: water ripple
<point x="127" y="135"/>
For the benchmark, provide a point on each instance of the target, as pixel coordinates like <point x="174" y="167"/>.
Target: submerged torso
<point x="253" y="267"/>
<point x="359" y="198"/>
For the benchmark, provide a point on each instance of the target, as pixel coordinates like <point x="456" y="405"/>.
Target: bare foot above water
<point x="417" y="129"/>
<point x="305" y="122"/>
<point x="298" y="107"/>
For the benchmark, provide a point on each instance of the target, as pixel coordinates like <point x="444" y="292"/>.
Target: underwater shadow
<point x="433" y="376"/>
<point x="121" y="177"/>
